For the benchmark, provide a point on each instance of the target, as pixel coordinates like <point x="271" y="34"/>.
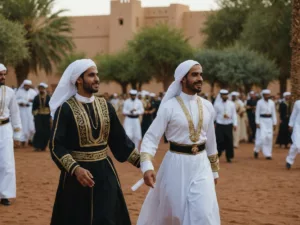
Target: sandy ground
<point x="249" y="191"/>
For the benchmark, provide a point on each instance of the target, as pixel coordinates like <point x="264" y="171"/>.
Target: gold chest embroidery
<point x="83" y="124"/>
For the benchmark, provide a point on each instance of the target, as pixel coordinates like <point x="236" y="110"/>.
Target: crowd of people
<point x="82" y="125"/>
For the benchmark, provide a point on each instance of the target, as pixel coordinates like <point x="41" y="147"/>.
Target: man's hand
<point x="234" y="128"/>
<point x="150" y="178"/>
<point x="290" y="129"/>
<point x="21" y="104"/>
<point x="258" y="126"/>
<point x="274" y="127"/>
<point x="216" y="181"/>
<point x="84" y="177"/>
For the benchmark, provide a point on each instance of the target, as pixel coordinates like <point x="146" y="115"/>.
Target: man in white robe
<point x="184" y="192"/>
<point x="133" y="108"/>
<point x="294" y="126"/>
<point x="10" y="122"/>
<point x="25" y="96"/>
<point x="266" y="120"/>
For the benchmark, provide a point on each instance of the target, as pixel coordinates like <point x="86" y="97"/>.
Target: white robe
<point x="295" y="123"/>
<point x="27" y="119"/>
<point x="7" y="161"/>
<point x="264" y="134"/>
<point x="184" y="193"/>
<point x="132" y="126"/>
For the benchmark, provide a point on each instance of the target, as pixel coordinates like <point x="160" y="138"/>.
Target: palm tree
<point x="295" y="44"/>
<point x="47" y="34"/>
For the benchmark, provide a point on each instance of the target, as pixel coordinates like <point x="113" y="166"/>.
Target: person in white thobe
<point x="25" y="96"/>
<point x="184" y="192"/>
<point x="132" y="110"/>
<point x="294" y="125"/>
<point x="226" y="124"/>
<point x="266" y="120"/>
<point x="10" y="122"/>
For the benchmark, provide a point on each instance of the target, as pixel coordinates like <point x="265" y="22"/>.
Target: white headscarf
<point x="175" y="88"/>
<point x="66" y="87"/>
<point x="2" y="67"/>
<point x="44" y="85"/>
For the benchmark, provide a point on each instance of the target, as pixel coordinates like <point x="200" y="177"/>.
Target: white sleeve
<point x="234" y="115"/>
<point x="257" y="113"/>
<point x="294" y="115"/>
<point x="274" y="117"/>
<point x="152" y="137"/>
<point x="15" y="113"/>
<point x="140" y="109"/>
<point x="211" y="144"/>
<point x="125" y="108"/>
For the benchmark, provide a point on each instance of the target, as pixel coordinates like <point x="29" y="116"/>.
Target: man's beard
<point x="2" y="82"/>
<point x="191" y="87"/>
<point x="88" y="88"/>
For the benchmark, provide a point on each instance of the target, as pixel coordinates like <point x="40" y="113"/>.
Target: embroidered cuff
<point x="146" y="157"/>
<point x="214" y="162"/>
<point x="134" y="158"/>
<point x="68" y="163"/>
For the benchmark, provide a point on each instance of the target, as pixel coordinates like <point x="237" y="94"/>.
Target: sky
<point x="102" y="7"/>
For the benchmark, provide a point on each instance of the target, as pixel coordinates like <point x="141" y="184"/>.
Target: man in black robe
<point x="42" y="119"/>
<point x="251" y="107"/>
<point x="84" y="127"/>
<point x="149" y="109"/>
<point x="284" y="135"/>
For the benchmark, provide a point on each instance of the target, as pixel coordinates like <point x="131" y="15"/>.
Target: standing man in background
<point x="284" y="135"/>
<point x="226" y="123"/>
<point x="42" y="119"/>
<point x="25" y="96"/>
<point x="132" y="110"/>
<point x="10" y="122"/>
<point x="294" y="126"/>
<point x="265" y="118"/>
<point x="251" y="107"/>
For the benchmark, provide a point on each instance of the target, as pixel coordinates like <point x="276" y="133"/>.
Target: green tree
<point x="261" y="25"/>
<point x="268" y="30"/>
<point x="67" y="60"/>
<point x="47" y="33"/>
<point x="123" y="68"/>
<point x="160" y="49"/>
<point x="224" y="27"/>
<point x="237" y="68"/>
<point x="12" y="42"/>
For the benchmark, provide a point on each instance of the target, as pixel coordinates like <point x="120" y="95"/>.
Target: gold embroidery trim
<point x="214" y="162"/>
<point x="114" y="171"/>
<point x="17" y="129"/>
<point x="73" y="170"/>
<point x="67" y="161"/>
<point x="134" y="157"/>
<point x="83" y="123"/>
<point x="89" y="156"/>
<point x="146" y="157"/>
<point x="194" y="133"/>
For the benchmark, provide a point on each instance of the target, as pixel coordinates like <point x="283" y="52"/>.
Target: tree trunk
<point x="282" y="82"/>
<point x="295" y="45"/>
<point x="167" y="81"/>
<point x="133" y="84"/>
<point x="140" y="84"/>
<point x="22" y="71"/>
<point x="124" y="87"/>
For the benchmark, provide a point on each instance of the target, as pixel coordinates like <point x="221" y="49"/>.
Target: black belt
<point x="266" y="115"/>
<point x="4" y="121"/>
<point x="26" y="105"/>
<point x="133" y="117"/>
<point x="187" y="149"/>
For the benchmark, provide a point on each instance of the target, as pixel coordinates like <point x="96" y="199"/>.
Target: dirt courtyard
<point x="249" y="191"/>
